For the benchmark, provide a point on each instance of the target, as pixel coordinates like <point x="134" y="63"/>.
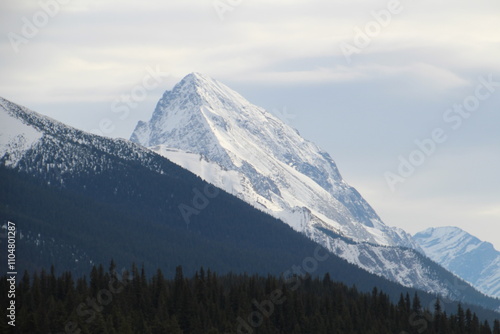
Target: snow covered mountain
<point x="94" y="198"/>
<point x="476" y="261"/>
<point x="272" y="165"/>
<point x="206" y="127"/>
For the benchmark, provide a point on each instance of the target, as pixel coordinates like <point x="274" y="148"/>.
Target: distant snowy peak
<point x="445" y="244"/>
<point x="278" y="169"/>
<point x="476" y="261"/>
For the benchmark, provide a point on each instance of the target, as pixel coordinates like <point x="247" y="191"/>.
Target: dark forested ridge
<point x="86" y="219"/>
<point x="127" y="302"/>
<point x="77" y="200"/>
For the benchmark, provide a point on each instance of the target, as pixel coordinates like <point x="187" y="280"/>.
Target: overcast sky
<point x="362" y="79"/>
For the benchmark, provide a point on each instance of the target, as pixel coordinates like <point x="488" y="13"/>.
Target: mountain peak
<point x="197" y="76"/>
<point x="441" y="231"/>
<point x="195" y="81"/>
<point x="264" y="161"/>
<point x="201" y="89"/>
<point x="437" y="238"/>
<point x="187" y="116"/>
<point x="197" y="103"/>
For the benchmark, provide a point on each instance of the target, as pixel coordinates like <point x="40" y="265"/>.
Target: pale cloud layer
<point x="366" y="110"/>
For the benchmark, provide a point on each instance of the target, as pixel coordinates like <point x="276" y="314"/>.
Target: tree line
<point x="112" y="301"/>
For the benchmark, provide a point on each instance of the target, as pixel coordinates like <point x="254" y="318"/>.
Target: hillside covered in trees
<point x="128" y="302"/>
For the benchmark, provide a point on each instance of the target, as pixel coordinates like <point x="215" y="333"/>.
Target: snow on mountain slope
<point x="15" y="137"/>
<point x="404" y="266"/>
<point x="32" y="142"/>
<point x="214" y="132"/>
<point x="476" y="261"/>
<point x="209" y="172"/>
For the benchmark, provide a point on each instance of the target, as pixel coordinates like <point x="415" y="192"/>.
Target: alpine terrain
<point x="79" y="199"/>
<point x="206" y="127"/>
<point x="476" y="261"/>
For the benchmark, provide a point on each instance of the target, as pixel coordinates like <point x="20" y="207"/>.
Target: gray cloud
<point x="287" y="54"/>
